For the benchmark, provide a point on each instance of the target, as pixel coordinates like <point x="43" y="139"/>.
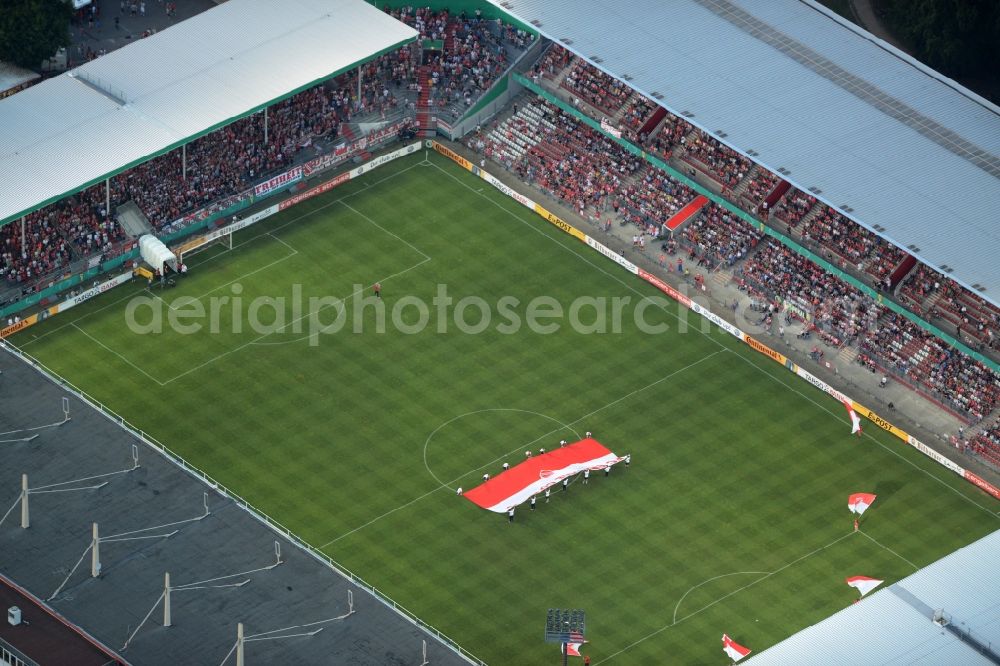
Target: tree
<point x="33" y="30"/>
<point x="957" y="37"/>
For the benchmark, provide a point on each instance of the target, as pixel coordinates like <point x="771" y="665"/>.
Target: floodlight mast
<point x="166" y="600"/>
<point x="25" y="515"/>
<point x="564" y="626"/>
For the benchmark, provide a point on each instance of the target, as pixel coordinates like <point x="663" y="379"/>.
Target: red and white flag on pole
<point x="864" y="584"/>
<point x="733" y="649"/>
<point x="859" y="502"/>
<point x="572" y="647"/>
<point x="855" y="419"/>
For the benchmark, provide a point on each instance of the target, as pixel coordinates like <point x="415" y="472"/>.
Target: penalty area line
<point x="882" y="545"/>
<point x="722" y="598"/>
<point x="149" y="376"/>
<point x="272" y="232"/>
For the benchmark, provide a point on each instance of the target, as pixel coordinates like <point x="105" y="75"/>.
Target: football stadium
<point x="517" y="332"/>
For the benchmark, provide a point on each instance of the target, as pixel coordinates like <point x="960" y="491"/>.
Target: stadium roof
<point x="147" y="98"/>
<point x="897" y="147"/>
<point x="895" y="625"/>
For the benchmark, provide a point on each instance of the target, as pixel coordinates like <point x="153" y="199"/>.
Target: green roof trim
<point x="749" y="219"/>
<point x="211" y="129"/>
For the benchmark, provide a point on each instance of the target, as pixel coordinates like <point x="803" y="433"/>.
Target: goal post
<point x="191" y="246"/>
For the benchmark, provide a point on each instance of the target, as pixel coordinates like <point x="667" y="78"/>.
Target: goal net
<point x="192" y="246"/>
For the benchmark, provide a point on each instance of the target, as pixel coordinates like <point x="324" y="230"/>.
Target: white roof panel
<point x="151" y="96"/>
<point x="895" y="625"/>
<point x="913" y="154"/>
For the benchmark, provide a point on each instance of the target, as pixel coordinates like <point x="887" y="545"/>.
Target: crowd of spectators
<point x="555" y="60"/>
<point x="853" y="245"/>
<point x="575" y="163"/>
<point x="42" y="252"/>
<point x="761" y="184"/>
<point x="599" y="90"/>
<point x="719" y="238"/>
<point x="474" y="53"/>
<point x="974" y="319"/>
<point x="653" y="198"/>
<point x="723" y="163"/>
<point x="958" y="381"/>
<point x="987" y="444"/>
<point x="795" y="205"/>
<point x="227" y="161"/>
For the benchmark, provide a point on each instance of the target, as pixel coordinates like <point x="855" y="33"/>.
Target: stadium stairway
<point x="742" y="186"/>
<point x="346" y="132"/>
<point x="722" y="277"/>
<point x="815" y="211"/>
<point x="132" y="220"/>
<point x="425" y="126"/>
<point x="653" y="122"/>
<point x="846" y="355"/>
<point x="449" y="35"/>
<point x="620" y="113"/>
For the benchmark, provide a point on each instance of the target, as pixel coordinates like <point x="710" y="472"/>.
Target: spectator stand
<point x="795" y="207"/>
<point x="984" y="444"/>
<point x="860" y="283"/>
<point x="458" y="59"/>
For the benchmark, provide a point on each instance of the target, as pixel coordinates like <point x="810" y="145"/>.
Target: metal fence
<point x="267" y="520"/>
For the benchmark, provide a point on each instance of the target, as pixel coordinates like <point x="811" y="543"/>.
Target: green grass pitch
<point x="732" y="517"/>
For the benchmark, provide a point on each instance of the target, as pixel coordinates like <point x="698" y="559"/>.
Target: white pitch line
<point x="705" y="582"/>
<point x="481" y="411"/>
<point x="722" y="598"/>
<point x="394" y="235"/>
<point x="349" y="297"/>
<point x="836" y="415"/>
<point x="237" y="279"/>
<point x="214" y="256"/>
<point x="149" y="376"/>
<point x="879" y="543"/>
<point x="632" y="288"/>
<point x="521" y="446"/>
<point x="256" y="341"/>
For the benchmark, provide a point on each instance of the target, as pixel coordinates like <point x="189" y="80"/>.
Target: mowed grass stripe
<point x="733" y="470"/>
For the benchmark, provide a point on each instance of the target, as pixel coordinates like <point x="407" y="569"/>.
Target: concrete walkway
<point x="918" y="416"/>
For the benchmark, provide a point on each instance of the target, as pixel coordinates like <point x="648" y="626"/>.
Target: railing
<point x="11" y="655"/>
<point x="746" y="217"/>
<point x="267" y="520"/>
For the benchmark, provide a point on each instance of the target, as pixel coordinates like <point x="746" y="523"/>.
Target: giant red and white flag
<point x="535" y="474"/>
<point x="864" y="584"/>
<point x="733" y="649"/>
<point x="855" y="419"/>
<point x="859" y="502"/>
<point x="573" y="649"/>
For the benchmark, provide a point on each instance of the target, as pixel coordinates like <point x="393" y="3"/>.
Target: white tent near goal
<point x="156" y="254"/>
